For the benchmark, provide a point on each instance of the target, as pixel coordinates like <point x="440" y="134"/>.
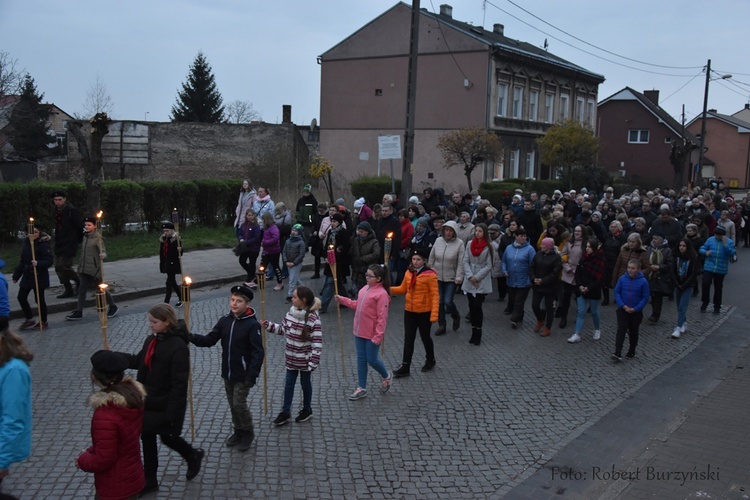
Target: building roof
<point x="743" y="127"/>
<point x="628" y="94"/>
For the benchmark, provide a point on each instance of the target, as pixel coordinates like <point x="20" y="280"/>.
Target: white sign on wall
<point x="389" y="147"/>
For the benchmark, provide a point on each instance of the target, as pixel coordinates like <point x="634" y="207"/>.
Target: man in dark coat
<point x="388" y="223"/>
<point x="306" y="208"/>
<point x="68" y="235"/>
<point x="365" y="250"/>
<point x="531" y="222"/>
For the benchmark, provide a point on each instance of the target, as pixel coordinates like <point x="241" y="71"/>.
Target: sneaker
<point x="279" y="286"/>
<point x="387" y="383"/>
<point x="401" y="371"/>
<point x="41" y="325"/>
<point x="538" y="327"/>
<point x="597" y="334"/>
<point x="630" y="355"/>
<point x="429" y="365"/>
<point x="284" y="418"/>
<point x="74" y="316"/>
<point x="288" y="300"/>
<point x="194" y="463"/>
<point x="456" y="322"/>
<point x="27" y="324"/>
<point x="683" y="328"/>
<point x="304" y="416"/>
<point x="513" y="325"/>
<point x="546" y="332"/>
<point x="676" y="332"/>
<point x="358" y="393"/>
<point x="112" y="311"/>
<point x="441" y="331"/>
<point x="717" y="310"/>
<point x="251" y="284"/>
<point x="616" y="357"/>
<point x="234" y="439"/>
<point x="246" y="440"/>
<point x="704" y="307"/>
<point x="178" y="304"/>
<point x="574" y="338"/>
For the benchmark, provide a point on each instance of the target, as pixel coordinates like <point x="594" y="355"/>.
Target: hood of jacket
<point x="115" y="398"/>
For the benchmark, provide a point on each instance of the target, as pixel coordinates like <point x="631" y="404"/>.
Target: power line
<point x="685" y="85"/>
<point x="445" y="39"/>
<point x="719" y="82"/>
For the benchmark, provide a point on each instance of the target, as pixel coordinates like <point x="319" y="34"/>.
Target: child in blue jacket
<point x="632" y="294"/>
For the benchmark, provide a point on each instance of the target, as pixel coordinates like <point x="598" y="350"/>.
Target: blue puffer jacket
<point x="718" y="261"/>
<point x="516" y="263"/>
<point x="632" y="292"/>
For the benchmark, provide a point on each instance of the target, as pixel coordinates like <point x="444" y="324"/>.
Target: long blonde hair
<point x="12" y="346"/>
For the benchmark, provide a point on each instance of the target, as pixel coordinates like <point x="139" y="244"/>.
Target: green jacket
<point x="91" y="261"/>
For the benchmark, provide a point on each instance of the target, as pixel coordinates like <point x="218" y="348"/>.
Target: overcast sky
<point x="265" y="52"/>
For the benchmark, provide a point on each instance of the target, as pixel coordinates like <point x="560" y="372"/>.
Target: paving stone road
<point x="476" y="426"/>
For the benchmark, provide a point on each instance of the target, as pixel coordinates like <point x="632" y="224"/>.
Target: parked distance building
<point x="466" y="77"/>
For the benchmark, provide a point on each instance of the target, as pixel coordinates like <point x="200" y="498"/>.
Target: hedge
<point x="122" y="201"/>
<point x="373" y="188"/>
<point x="493" y="191"/>
<point x="210" y="205"/>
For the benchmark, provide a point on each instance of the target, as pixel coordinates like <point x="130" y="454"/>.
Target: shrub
<point x="210" y="202"/>
<point x="230" y="203"/>
<point x="14" y="198"/>
<point x="121" y="202"/>
<point x="157" y="203"/>
<point x="592" y="178"/>
<point x="373" y="188"/>
<point x="183" y="198"/>
<point x="493" y="191"/>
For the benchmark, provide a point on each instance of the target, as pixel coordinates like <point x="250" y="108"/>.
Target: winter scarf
<point x="477" y="245"/>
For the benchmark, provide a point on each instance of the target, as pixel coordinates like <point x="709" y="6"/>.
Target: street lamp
<point x="703" y="117"/>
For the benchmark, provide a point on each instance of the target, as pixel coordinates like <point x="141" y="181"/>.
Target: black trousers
<point x="564" y="306"/>
<point x="247" y="261"/>
<point x="475" y="309"/>
<point x="23" y="300"/>
<point x="413" y="322"/>
<point x="718" y="281"/>
<point x="151" y="453"/>
<point x="517" y="298"/>
<point x="627" y="322"/>
<point x="502" y="287"/>
<point x="548" y="315"/>
<point x="657" y="300"/>
<point x="171" y="285"/>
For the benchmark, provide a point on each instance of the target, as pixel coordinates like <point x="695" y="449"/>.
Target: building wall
<point x="728" y="148"/>
<point x="642" y="162"/>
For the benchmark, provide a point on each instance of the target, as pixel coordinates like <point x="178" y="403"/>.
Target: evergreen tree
<point x="199" y="100"/>
<point x="28" y="123"/>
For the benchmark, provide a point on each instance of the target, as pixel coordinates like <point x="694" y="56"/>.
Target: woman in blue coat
<point x="517" y="260"/>
<point x="25" y="272"/>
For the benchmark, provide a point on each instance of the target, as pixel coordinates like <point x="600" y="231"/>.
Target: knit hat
<point x="365" y="225"/>
<point x="720" y="230"/>
<point x="548" y="243"/>
<point x="414" y="200"/>
<point x="423" y="221"/>
<point x="340" y="201"/>
<point x="90" y="218"/>
<point x="306" y="188"/>
<point x="359" y="203"/>
<point x="598" y="214"/>
<point x="338" y="217"/>
<point x="658" y="234"/>
<point x="298" y="228"/>
<point x="109" y="363"/>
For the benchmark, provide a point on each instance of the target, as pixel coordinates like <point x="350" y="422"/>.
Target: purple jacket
<point x="271" y="240"/>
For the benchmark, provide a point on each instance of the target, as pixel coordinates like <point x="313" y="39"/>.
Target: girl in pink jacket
<point x="370" y="317"/>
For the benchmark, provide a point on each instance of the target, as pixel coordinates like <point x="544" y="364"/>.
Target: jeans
<point x="683" y="301"/>
<point x="548" y="315"/>
<point x="237" y="398"/>
<point x="87" y="282"/>
<point x="718" y="281"/>
<point x="23" y="300"/>
<point x="171" y="285"/>
<point x="367" y="354"/>
<point x="291" y="381"/>
<point x="517" y="301"/>
<point x="476" y="315"/>
<point x="447" y="290"/>
<point x="294" y="282"/>
<point x="412" y="322"/>
<point x="627" y="322"/>
<point x="584" y="304"/>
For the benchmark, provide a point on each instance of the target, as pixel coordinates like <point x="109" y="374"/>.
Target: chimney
<point x="652" y="95"/>
<point x="446" y="10"/>
<point x="286" y="113"/>
<point x="498" y="29"/>
<point x="747" y="105"/>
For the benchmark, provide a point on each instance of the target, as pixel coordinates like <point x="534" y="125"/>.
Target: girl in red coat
<point x="115" y="456"/>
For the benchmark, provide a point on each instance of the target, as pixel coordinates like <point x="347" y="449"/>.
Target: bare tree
<point x="241" y="112"/>
<point x="90" y="147"/>
<point x="11" y="78"/>
<point x="97" y="100"/>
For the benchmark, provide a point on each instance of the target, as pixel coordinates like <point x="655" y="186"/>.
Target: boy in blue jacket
<point x="631" y="293"/>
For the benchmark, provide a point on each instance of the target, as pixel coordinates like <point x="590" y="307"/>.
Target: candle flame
<point x="31" y="219"/>
<point x="330" y="247"/>
<point x="262" y="268"/>
<point x="99" y="214"/>
<point x="390" y="235"/>
<point x="188" y="281"/>
<point x="103" y="286"/>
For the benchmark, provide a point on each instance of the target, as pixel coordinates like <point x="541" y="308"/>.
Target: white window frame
<point x="642" y="136"/>
<point x="502" y="99"/>
<point x="517" y="102"/>
<point x="564" y="106"/>
<point x="515" y="155"/>
<point x="499" y="166"/>
<point x="591" y="105"/>
<point x="530" y="157"/>
<point x="549" y="108"/>
<point x="533" y="105"/>
<point x="580" y="109"/>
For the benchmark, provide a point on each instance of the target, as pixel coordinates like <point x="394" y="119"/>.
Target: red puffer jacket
<point x="115" y="456"/>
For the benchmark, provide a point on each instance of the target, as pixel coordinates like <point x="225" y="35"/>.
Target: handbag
<point x="240" y="248"/>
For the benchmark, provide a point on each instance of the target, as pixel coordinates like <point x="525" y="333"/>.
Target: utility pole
<point x="703" y="122"/>
<point x="411" y="104"/>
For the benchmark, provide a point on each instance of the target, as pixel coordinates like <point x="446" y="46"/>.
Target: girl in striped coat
<point x="304" y="343"/>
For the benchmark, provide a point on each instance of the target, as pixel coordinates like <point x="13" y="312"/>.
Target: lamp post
<point x="703" y="117"/>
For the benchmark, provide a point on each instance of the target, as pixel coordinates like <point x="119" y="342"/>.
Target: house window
<point x="499" y="166"/>
<point x="533" y="105"/>
<point x="517" y="101"/>
<point x="529" y="167"/>
<point x="549" y="108"/>
<point x="502" y="99"/>
<point x="591" y="112"/>
<point x="579" y="109"/>
<point x="378" y="92"/>
<point x="514" y="163"/>
<point x="667" y="140"/>
<point x="638" y="136"/>
<point x="564" y="107"/>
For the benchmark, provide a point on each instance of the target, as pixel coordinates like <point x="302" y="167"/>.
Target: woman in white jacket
<point x="478" y="259"/>
<point x="447" y="259"/>
<point x="244" y="203"/>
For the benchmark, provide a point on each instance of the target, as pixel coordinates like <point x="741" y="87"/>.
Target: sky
<point x="265" y="52"/>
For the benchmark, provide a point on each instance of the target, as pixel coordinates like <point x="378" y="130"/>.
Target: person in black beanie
<point x="68" y="235"/>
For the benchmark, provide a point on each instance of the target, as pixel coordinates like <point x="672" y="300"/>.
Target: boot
<point x="473" y="339"/>
<point x="440" y="331"/>
<point x="234" y="439"/>
<point x="246" y="440"/>
<point x="402" y="371"/>
<point x="194" y="463"/>
<point x="479" y="336"/>
<point x="151" y="486"/>
<point x="68" y="292"/>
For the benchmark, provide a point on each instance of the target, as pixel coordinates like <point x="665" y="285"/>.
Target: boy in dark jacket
<point x="632" y="294"/>
<point x="25" y="272"/>
<point x="292" y="256"/>
<point x="241" y="359"/>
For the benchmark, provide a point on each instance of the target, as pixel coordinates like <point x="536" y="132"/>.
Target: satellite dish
<point x="313" y="124"/>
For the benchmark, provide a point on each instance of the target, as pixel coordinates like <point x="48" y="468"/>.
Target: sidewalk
<point x="134" y="278"/>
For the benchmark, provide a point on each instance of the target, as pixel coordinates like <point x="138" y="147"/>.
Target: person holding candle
<point x="337" y="245"/>
<point x="25" y="272"/>
<point x="271" y="249"/>
<point x="93" y="254"/>
<point x="421" y="309"/>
